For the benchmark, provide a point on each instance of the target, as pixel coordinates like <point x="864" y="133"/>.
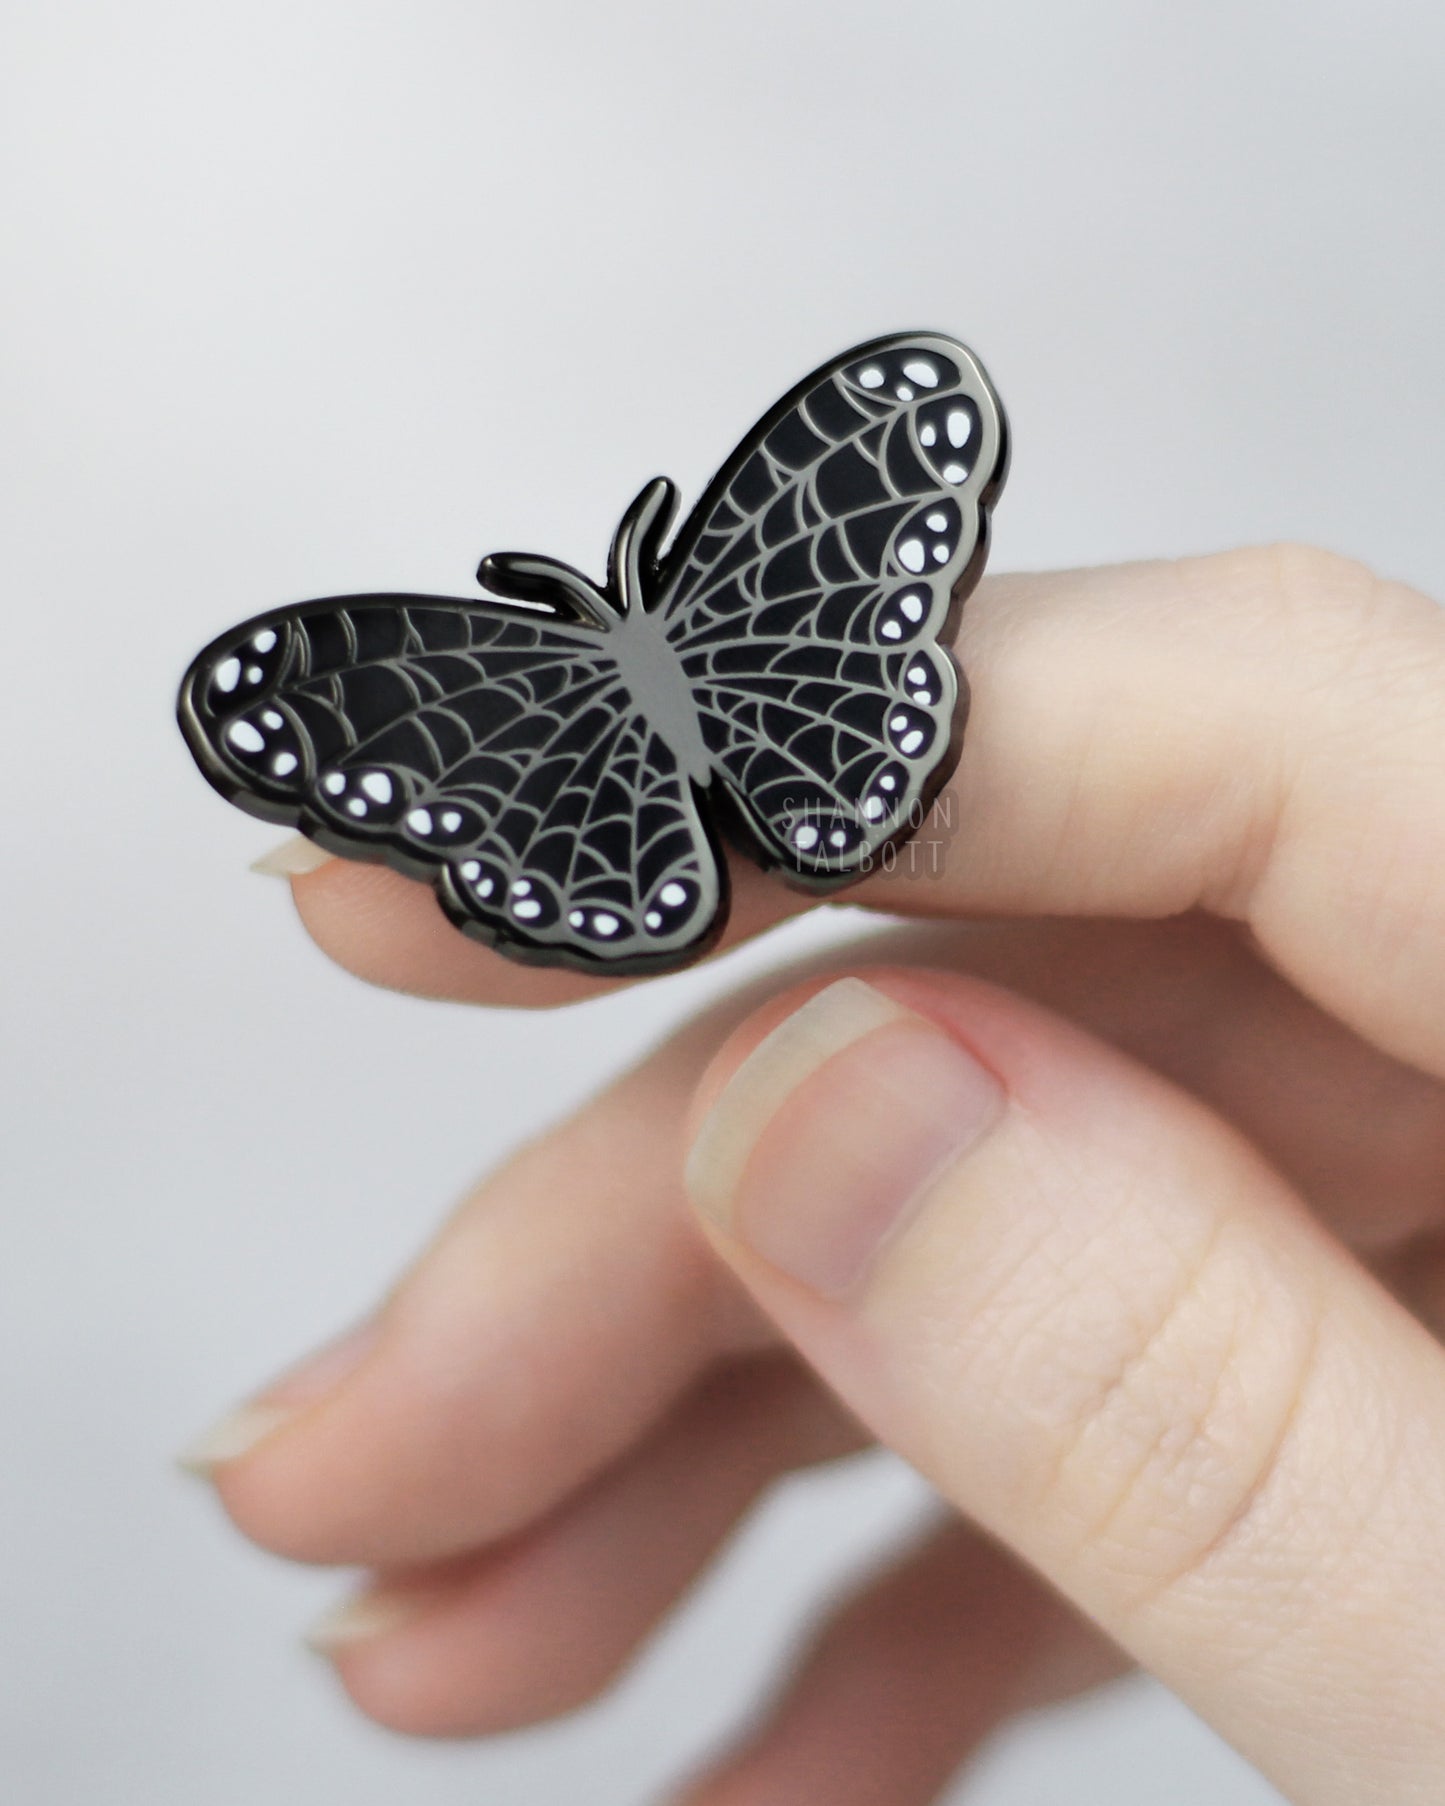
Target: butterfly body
<point x="561" y="757"/>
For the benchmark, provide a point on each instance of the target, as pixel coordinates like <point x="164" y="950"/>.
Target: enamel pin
<point x="562" y="759"/>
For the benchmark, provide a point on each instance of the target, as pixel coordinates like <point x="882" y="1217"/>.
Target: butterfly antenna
<point x="632" y="566"/>
<point x="532" y="577"/>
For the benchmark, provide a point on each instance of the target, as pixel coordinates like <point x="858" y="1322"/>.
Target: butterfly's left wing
<point x="492" y="749"/>
<point x="810" y="595"/>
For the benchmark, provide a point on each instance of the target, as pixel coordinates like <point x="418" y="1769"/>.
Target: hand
<point x="1108" y="1226"/>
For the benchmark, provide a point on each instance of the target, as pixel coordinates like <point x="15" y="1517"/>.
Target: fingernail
<point x="830" y="1132"/>
<point x="292" y="858"/>
<point x="368" y="1614"/>
<point x="230" y="1437"/>
<point x="239" y="1431"/>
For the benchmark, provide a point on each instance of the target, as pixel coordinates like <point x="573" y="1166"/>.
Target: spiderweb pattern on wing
<point x="806" y="603"/>
<point x="494" y="748"/>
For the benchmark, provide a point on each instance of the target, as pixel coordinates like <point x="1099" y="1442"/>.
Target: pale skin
<point x="1159" y="1321"/>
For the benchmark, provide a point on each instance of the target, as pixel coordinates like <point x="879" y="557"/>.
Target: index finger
<point x="1260" y="733"/>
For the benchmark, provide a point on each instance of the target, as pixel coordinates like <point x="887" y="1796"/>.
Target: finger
<point x="1261" y="733"/>
<point x="543" y="1622"/>
<point x="1361" y="1134"/>
<point x="1093" y="1316"/>
<point x="569" y="1301"/>
<point x="388" y="930"/>
<point x="556" y="1317"/>
<point x="904" y="1682"/>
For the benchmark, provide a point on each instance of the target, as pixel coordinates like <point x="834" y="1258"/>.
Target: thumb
<point x="1105" y="1329"/>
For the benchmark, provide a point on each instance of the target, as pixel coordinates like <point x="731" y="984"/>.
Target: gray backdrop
<point x="301" y="296"/>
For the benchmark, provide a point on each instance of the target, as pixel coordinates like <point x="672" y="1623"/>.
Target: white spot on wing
<point x="922" y="372"/>
<point x="228" y="674"/>
<point x="242" y="734"/>
<point x="910" y="554"/>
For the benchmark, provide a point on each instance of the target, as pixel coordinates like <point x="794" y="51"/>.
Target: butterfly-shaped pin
<point x="561" y="758"/>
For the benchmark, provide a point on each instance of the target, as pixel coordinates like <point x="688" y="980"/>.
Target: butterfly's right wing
<point x="811" y="595"/>
<point x="490" y="748"/>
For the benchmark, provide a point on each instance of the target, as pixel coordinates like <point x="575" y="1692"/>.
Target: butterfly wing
<point x="808" y="594"/>
<point x="491" y="748"/>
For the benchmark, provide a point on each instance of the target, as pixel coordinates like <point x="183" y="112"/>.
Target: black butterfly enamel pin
<point x="561" y="758"/>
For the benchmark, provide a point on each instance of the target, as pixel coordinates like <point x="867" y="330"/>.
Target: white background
<point x="301" y="297"/>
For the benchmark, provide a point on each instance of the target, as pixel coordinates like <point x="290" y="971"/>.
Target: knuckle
<point x="1346" y="718"/>
<point x="1299" y="576"/>
<point x="1359" y="624"/>
<point x="1313" y="595"/>
<point x="1179" y="1427"/>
